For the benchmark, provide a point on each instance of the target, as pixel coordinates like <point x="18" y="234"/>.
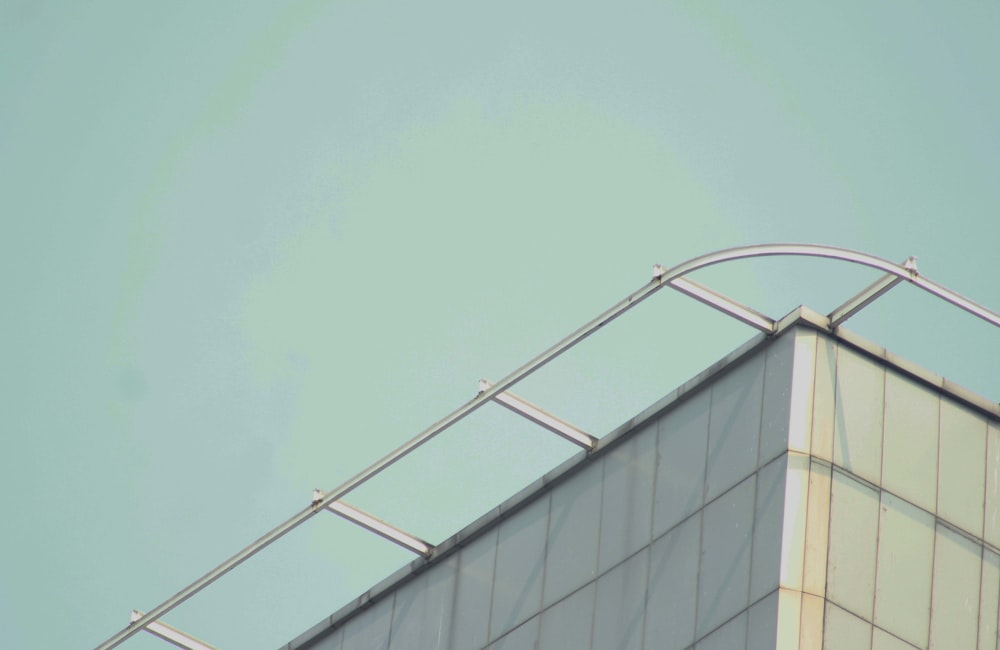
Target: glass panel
<point x="992" y="531"/>
<point x="680" y="469"/>
<point x="524" y="636"/>
<point x="724" y="574"/>
<point x="730" y="636"/>
<point x="370" y="629"/>
<point x="962" y="478"/>
<point x="777" y="398"/>
<point x="853" y="533"/>
<point x="989" y="601"/>
<point x="905" y="556"/>
<point x="955" y="604"/>
<point x="567" y="623"/>
<point x="621" y="604"/>
<point x="334" y="641"/>
<point x="474" y="587"/>
<point x="421" y="617"/>
<point x="762" y="628"/>
<point x="627" y="504"/>
<point x="824" y="398"/>
<point x="845" y="631"/>
<point x="857" y="434"/>
<point x="571" y="557"/>
<point x="734" y="426"/>
<point x="673" y="586"/>
<point x="517" y="584"/>
<point x="765" y="563"/>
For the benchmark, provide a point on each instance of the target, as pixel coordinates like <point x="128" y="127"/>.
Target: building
<point x="810" y="490"/>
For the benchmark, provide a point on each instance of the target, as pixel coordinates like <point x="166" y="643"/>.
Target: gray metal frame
<point x="673" y="277"/>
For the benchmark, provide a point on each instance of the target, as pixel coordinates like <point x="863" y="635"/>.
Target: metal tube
<point x="726" y="305"/>
<point x="381" y="528"/>
<point x="864" y="298"/>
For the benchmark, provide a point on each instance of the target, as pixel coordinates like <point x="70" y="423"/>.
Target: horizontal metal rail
<point x="661" y="278"/>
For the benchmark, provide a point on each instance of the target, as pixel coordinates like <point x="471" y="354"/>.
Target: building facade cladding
<point x="804" y="494"/>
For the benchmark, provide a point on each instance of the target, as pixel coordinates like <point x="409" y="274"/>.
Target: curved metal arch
<point x="831" y="252"/>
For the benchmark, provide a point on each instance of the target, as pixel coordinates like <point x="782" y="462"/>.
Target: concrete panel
<point x="962" y="472"/>
<point x="905" y="556"/>
<point x="857" y="435"/>
<point x="845" y="631"/>
<point x="991" y="530"/>
<point x="673" y="587"/>
<point x="824" y="398"/>
<point x="989" y="601"/>
<point x="567" y="624"/>
<point x="803" y="378"/>
<point x="882" y="640"/>
<point x="789" y="618"/>
<point x="854" y="509"/>
<point x="474" y="587"/>
<point x="734" y="426"/>
<point x="421" y="617"/>
<point x="793" y="520"/>
<point x="955" y="602"/>
<point x="682" y="442"/>
<point x="627" y="504"/>
<point x="817" y="530"/>
<point x="620" y="612"/>
<point x="724" y="571"/>
<point x="574" y="531"/>
<point x="910" y="450"/>
<point x="811" y="626"/>
<point x="517" y="583"/>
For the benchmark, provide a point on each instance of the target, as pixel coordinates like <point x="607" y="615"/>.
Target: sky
<point x="247" y="249"/>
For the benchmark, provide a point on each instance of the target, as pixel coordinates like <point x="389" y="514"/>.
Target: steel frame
<point x="674" y="277"/>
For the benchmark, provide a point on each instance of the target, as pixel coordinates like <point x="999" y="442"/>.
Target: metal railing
<point x="498" y="392"/>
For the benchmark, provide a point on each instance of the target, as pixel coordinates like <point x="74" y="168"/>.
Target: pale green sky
<point x="246" y="250"/>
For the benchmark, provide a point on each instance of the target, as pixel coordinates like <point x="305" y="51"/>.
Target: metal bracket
<point x="381" y="528"/>
<point x="540" y="417"/>
<point x="171" y="634"/>
<point x="726" y="305"/>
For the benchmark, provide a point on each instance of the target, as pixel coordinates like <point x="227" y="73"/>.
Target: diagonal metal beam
<point x="726" y="305"/>
<point x="171" y="634"/>
<point x="867" y="296"/>
<point x="541" y="417"/>
<point x="381" y="528"/>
